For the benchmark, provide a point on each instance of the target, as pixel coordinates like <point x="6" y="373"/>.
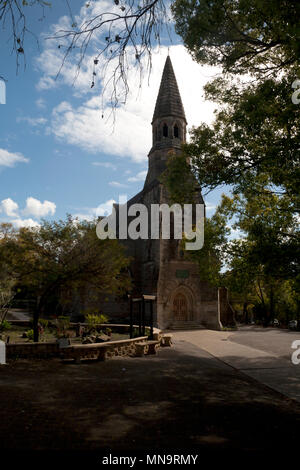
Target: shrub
<point x="43" y="322"/>
<point x="62" y="325"/>
<point x="4" y="325"/>
<point x="94" y="320"/>
<point x="30" y="335"/>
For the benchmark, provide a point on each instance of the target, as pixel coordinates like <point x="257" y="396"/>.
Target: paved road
<point x="18" y="314"/>
<point x="262" y="353"/>
<point x="272" y="340"/>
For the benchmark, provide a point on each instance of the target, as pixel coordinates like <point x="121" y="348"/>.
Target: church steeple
<point x="168" y="101"/>
<point x="168" y="123"/>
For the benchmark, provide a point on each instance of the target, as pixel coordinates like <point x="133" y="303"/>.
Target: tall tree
<point x="256" y="130"/>
<point x="64" y="255"/>
<point x="267" y="256"/>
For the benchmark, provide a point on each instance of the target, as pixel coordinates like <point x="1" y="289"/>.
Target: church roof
<point x="168" y="101"/>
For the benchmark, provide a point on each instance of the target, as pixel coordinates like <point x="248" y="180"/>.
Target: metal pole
<point x="143" y="315"/>
<point x="140" y="319"/>
<point x="151" y="319"/>
<point x="131" y="318"/>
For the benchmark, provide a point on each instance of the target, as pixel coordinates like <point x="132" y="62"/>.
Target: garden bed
<point x="15" y="335"/>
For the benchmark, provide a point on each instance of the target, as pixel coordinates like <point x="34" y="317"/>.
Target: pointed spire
<point x="168" y="101"/>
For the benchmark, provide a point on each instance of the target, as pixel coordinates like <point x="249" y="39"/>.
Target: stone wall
<point x="32" y="350"/>
<point x="50" y="350"/>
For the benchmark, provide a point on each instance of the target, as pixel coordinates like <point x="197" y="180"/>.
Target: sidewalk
<point x="272" y="370"/>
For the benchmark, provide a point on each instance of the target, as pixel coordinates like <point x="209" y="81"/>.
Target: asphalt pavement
<point x="264" y="354"/>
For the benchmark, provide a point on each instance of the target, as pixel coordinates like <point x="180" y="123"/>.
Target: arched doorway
<point x="180" y="308"/>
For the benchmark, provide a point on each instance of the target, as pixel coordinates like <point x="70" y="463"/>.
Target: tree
<point x="64" y="255"/>
<point x="14" y="16"/>
<point x="242" y="36"/>
<point x="129" y="29"/>
<point x="255" y="132"/>
<point x="245" y="36"/>
<point x="267" y="257"/>
<point x="211" y="259"/>
<point x="256" y="129"/>
<point x="182" y="189"/>
<point x="125" y="35"/>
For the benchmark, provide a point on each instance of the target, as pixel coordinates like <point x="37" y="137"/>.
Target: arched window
<point x="165" y="130"/>
<point x="176" y="131"/>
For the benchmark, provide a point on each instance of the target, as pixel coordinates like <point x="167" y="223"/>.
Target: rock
<point x="87" y="340"/>
<point x="102" y="339"/>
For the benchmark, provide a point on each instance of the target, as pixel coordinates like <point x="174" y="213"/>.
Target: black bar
<point x="143" y="316"/>
<point x="151" y="319"/>
<point x="140" y="319"/>
<point x="131" y="319"/>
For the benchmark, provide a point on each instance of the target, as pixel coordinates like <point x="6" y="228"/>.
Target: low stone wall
<point x="102" y="351"/>
<point x="50" y="350"/>
<point x="32" y="350"/>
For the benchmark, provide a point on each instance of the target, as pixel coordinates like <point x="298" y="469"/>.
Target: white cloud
<point x="209" y="206"/>
<point x="116" y="184"/>
<point x="19" y="223"/>
<point x="130" y="136"/>
<point x="9" y="159"/>
<point x="34" y="207"/>
<point x="9" y="207"/>
<point x="105" y="165"/>
<point x="50" y="60"/>
<point x="40" y="103"/>
<point x="32" y="121"/>
<point x="139" y="177"/>
<point x="39" y="209"/>
<point x="102" y="210"/>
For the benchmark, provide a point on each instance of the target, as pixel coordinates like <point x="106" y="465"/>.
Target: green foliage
<point x="96" y="319"/>
<point x="179" y="180"/>
<point x="4" y="325"/>
<point x="62" y="258"/>
<point x="271" y="228"/>
<point x="211" y="257"/>
<point x="256" y="36"/>
<point x="256" y="130"/>
<point x="181" y="185"/>
<point x="43" y="322"/>
<point x="263" y="265"/>
<point x="30" y="335"/>
<point x="62" y="326"/>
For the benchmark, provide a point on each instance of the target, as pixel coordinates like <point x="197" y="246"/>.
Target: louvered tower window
<point x="165" y="130"/>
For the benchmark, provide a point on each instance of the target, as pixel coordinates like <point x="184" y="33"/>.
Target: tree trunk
<point x="245" y="312"/>
<point x="36" y="316"/>
<point x="272" y="311"/>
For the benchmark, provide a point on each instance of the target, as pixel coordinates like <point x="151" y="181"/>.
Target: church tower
<point x="168" y="123"/>
<point x="159" y="266"/>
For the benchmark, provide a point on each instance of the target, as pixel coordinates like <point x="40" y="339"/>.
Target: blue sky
<point x="57" y="154"/>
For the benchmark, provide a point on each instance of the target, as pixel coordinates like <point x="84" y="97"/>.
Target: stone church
<point x="159" y="267"/>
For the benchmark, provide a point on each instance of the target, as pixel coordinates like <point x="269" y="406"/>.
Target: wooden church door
<point x="180" y="308"/>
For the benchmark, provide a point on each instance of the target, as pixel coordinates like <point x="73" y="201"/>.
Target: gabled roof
<point x="168" y="101"/>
